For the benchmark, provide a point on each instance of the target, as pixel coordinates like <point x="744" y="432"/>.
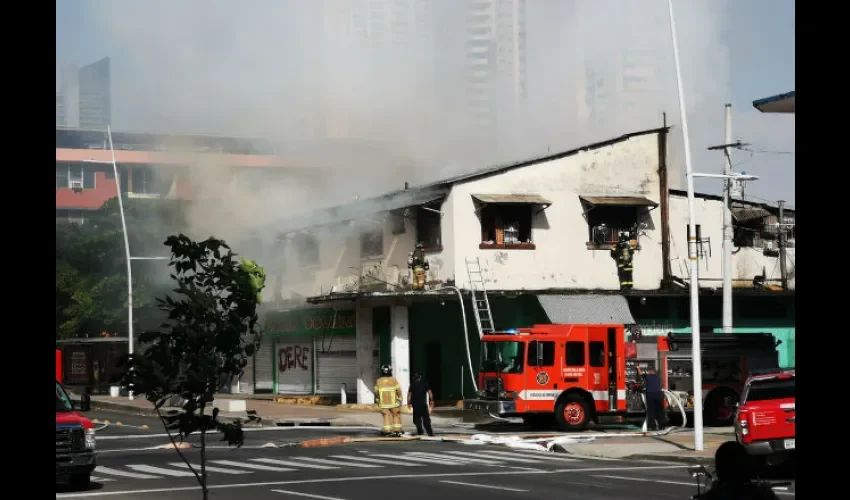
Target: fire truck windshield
<point x="62" y="401"/>
<point x="502" y="356"/>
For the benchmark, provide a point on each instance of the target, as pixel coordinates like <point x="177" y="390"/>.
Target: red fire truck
<point x="582" y="373"/>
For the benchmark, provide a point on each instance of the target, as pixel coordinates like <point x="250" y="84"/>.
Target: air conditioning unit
<point x="77" y="186"/>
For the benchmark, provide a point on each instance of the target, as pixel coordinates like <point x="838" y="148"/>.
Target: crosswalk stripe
<point x="162" y="470"/>
<point x="291" y="464"/>
<point x="427" y="460"/>
<point x="558" y="457"/>
<point x="334" y="462"/>
<point x="373" y="460"/>
<point x="539" y="455"/>
<point x="452" y="458"/>
<point x="481" y="454"/>
<point x="245" y="465"/>
<point x="210" y="468"/>
<point x="122" y="473"/>
<point x="100" y="479"/>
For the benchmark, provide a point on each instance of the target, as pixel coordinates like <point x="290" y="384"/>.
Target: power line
<point x="768" y="151"/>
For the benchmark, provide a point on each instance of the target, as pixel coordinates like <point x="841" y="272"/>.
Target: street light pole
<point x="127" y="256"/>
<point x="692" y="246"/>
<point x="727" y="228"/>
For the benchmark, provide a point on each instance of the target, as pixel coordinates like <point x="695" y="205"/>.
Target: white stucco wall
<point x="561" y="258"/>
<point x="746" y="262"/>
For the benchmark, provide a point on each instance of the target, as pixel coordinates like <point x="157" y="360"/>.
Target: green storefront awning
<point x="310" y="321"/>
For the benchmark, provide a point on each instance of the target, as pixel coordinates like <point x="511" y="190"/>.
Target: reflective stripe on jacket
<point x="386" y="392"/>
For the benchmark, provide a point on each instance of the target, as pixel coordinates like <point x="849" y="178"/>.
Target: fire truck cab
<point x="574" y="373"/>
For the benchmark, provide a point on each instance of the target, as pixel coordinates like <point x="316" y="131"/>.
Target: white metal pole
<point x="127" y="255"/>
<point x="727" y="227"/>
<point x="692" y="246"/>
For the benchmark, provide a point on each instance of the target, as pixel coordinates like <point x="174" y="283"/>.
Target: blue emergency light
<point x="511" y="331"/>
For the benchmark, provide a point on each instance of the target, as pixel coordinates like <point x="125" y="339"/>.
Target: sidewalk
<point x="279" y="413"/>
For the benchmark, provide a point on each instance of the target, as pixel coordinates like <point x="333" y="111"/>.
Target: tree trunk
<point x="203" y="455"/>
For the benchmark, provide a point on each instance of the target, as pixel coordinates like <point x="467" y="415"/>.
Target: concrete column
<point x="400" y="348"/>
<point x="366" y="344"/>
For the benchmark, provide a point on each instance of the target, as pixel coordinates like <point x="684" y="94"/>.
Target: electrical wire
<point x="768" y="151"/>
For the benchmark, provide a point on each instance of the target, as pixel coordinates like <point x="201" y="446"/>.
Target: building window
<point x="143" y="181"/>
<point x="70" y="216"/>
<point x="605" y="223"/>
<point x="397" y="222"/>
<point x="545" y="351"/>
<point x="307" y="248"/>
<point x="69" y="175"/>
<point x="506" y="226"/>
<point x="575" y="353"/>
<point x="372" y="243"/>
<point x="428" y="229"/>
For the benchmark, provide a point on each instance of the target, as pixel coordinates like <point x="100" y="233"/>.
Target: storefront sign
<point x="655" y="330"/>
<point x="310" y="321"/>
<point x="293" y="357"/>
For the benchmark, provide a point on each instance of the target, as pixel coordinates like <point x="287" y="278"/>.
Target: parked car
<point x="765" y="422"/>
<point x="76" y="454"/>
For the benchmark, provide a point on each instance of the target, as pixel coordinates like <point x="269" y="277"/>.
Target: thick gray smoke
<point x="381" y="96"/>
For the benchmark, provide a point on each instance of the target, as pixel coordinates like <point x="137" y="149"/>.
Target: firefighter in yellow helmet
<point x="623" y="253"/>
<point x="388" y="399"/>
<point x="417" y="263"/>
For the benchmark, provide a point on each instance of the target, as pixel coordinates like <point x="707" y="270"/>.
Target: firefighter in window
<point x="417" y="263"/>
<point x="623" y="253"/>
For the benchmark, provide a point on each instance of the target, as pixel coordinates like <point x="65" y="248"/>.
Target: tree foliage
<point x="210" y="331"/>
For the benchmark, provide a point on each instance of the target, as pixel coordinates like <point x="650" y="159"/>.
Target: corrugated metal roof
<point x="587" y="309"/>
<point x="512" y="198"/>
<point x="743" y="214"/>
<point x="625" y="201"/>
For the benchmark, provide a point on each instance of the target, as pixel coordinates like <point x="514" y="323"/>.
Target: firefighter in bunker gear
<point x="257" y="275"/>
<point x="623" y="253"/>
<point x="388" y="399"/>
<point x="417" y="263"/>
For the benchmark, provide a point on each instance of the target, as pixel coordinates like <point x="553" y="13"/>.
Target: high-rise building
<point x="86" y="95"/>
<point x="495" y="60"/>
<point x="60" y="110"/>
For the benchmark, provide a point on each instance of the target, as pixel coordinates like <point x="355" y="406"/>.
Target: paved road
<point x="362" y="471"/>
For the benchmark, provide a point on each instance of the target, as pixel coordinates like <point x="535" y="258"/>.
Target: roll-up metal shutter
<point x="245" y="384"/>
<point x="336" y="364"/>
<point x="294" y="360"/>
<point x="264" y="366"/>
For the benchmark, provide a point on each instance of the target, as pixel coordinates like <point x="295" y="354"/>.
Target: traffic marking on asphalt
<point x="122" y="473"/>
<point x="162" y="471"/>
<point x="97" y="479"/>
<point x="488" y="486"/>
<point x="245" y="465"/>
<point x="209" y="468"/>
<point x="495" y="458"/>
<point x="420" y="457"/>
<point x="291" y="463"/>
<point x="540" y="456"/>
<point x="453" y="460"/>
<point x="374" y="461"/>
<point x="335" y="462"/>
<point x="308" y="495"/>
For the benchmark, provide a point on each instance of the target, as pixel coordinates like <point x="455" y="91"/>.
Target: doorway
<point x="434" y="368"/>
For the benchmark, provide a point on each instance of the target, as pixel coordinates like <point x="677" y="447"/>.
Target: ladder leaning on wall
<point x="480" y="303"/>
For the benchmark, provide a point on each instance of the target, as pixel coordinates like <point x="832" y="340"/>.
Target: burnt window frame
<point x="376" y="235"/>
<point x="432" y="223"/>
<point x="617" y="217"/>
<point x="307" y="248"/>
<point x="492" y="214"/>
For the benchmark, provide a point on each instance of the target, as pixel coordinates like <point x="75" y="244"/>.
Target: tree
<point x="210" y="332"/>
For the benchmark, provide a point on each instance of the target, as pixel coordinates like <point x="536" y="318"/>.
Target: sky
<point x="263" y="69"/>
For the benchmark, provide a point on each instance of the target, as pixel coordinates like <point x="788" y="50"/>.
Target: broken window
<point x="605" y="223"/>
<point x="428" y="228"/>
<point x="754" y="227"/>
<point x="372" y="243"/>
<point x="397" y="222"/>
<point x="506" y="225"/>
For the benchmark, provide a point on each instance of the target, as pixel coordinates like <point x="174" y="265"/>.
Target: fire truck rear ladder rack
<point x="480" y="302"/>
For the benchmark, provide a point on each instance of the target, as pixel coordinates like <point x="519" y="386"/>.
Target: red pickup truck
<point x="76" y="456"/>
<point x="765" y="422"/>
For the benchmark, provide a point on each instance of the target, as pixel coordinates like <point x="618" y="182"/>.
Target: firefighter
<point x="388" y="399"/>
<point x="623" y="253"/>
<point x="417" y="263"/>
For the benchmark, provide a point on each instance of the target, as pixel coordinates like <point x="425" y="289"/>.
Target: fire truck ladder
<point x="480" y="303"/>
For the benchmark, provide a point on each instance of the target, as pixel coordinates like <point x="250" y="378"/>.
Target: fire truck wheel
<point x="572" y="413"/>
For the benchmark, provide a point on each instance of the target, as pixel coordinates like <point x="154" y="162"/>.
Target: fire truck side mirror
<point x="671" y="342"/>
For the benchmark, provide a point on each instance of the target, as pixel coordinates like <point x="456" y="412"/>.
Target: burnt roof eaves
<point x="715" y="197"/>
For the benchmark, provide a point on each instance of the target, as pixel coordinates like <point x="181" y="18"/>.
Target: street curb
<point x="682" y="459"/>
<point x="134" y="410"/>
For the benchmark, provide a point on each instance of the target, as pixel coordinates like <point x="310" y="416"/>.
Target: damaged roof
<point x="421" y="195"/>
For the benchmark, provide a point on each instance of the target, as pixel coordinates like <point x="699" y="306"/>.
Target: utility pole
<point x="782" y="269"/>
<point x="727" y="227"/>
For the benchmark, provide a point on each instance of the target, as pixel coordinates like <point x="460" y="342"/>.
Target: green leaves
<point x="209" y="333"/>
